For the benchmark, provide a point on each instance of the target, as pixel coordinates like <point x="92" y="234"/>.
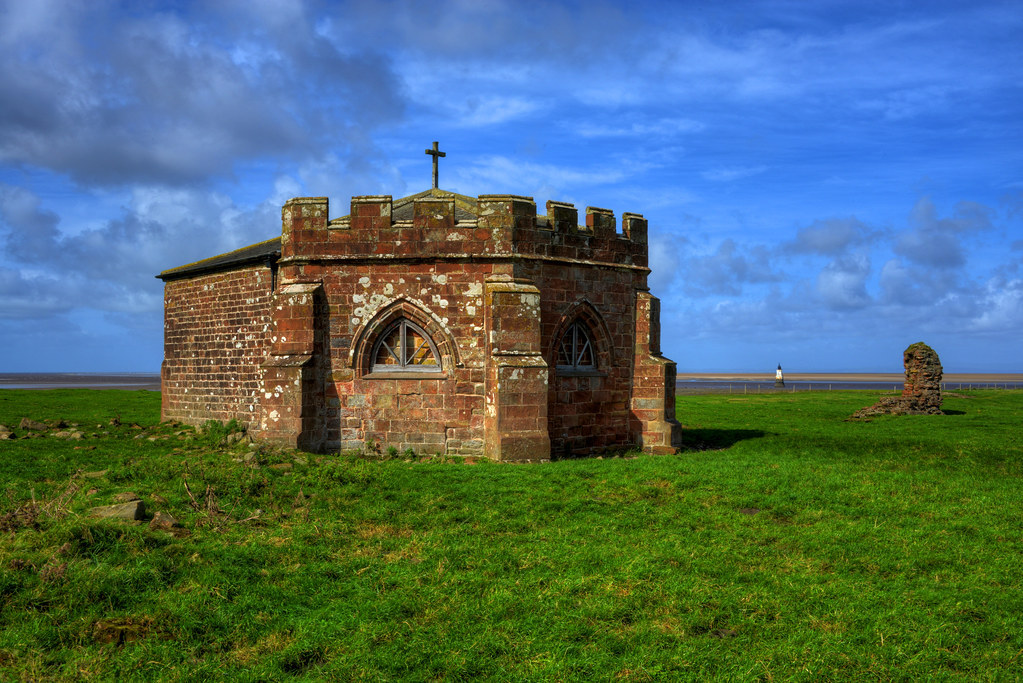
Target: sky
<point x="826" y="182"/>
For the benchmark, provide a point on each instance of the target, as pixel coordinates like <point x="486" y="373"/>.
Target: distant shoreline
<point x="148" y="381"/>
<point x="145" y="381"/>
<point x="843" y="376"/>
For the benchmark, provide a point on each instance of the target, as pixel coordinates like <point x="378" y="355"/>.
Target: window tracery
<point x="575" y="350"/>
<point x="404" y="347"/>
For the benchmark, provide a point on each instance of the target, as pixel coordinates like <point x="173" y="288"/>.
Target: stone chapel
<point x="438" y="322"/>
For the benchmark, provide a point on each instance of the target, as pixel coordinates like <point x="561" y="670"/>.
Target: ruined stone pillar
<point x="921" y="393"/>
<point x="653" y="424"/>
<point x="515" y="422"/>
<point x="291" y="389"/>
<point x="923" y="378"/>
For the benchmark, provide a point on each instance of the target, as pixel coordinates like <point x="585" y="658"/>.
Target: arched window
<point x="575" y="351"/>
<point x="404" y="346"/>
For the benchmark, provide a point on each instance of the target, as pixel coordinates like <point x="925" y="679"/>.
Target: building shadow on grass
<point x="692" y="440"/>
<point x="695" y="439"/>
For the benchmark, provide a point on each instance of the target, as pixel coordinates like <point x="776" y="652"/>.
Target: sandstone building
<point x="438" y="322"/>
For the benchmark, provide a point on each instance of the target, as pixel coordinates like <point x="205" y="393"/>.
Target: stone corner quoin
<point x="438" y="322"/>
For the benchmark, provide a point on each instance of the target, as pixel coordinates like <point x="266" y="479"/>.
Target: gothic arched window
<point x="404" y="346"/>
<point x="575" y="351"/>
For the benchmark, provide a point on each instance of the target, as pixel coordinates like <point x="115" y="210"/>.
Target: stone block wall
<point x="495" y="291"/>
<point x="587" y="412"/>
<point x="506" y="225"/>
<point x="428" y="412"/>
<point x="216" y="332"/>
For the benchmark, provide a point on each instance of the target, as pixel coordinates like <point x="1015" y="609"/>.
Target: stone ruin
<point x="921" y="394"/>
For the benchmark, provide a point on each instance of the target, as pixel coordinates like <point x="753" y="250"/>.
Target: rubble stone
<point x="132" y="511"/>
<point x="164" y="521"/>
<point x="921" y="393"/>
<point x="125" y="497"/>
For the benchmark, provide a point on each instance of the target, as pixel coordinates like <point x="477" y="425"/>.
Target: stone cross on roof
<point x="435" y="153"/>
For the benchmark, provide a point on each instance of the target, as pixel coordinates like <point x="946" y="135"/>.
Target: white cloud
<point x="727" y="269"/>
<point x="521" y="177"/>
<point x="26" y="296"/>
<point x="910" y="102"/>
<point x="659" y="128"/>
<point x="1002" y="307"/>
<point x="937" y="242"/>
<point x="830" y="236"/>
<point x="727" y="175"/>
<point x="112" y="267"/>
<point x="666" y="262"/>
<point x="115" y="98"/>
<point x="492" y="110"/>
<point x="842" y="283"/>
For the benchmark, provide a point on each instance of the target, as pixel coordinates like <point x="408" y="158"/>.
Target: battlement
<point x="439" y="224"/>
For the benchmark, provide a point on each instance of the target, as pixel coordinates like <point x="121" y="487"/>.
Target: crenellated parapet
<point x="438" y="224"/>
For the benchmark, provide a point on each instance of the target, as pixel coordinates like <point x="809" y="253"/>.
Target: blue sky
<point x="825" y="182"/>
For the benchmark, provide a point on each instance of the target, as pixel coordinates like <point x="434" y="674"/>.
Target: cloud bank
<point x="830" y="183"/>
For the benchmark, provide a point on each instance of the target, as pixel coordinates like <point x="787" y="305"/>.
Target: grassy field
<point x="785" y="543"/>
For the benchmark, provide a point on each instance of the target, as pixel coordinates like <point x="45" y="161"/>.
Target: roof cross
<point x="435" y="153"/>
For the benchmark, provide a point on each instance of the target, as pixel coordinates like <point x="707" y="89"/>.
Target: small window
<point x="405" y="347"/>
<point x="575" y="352"/>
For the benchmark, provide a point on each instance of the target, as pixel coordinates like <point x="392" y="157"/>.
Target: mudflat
<point x="80" y="380"/>
<point x="845" y="376"/>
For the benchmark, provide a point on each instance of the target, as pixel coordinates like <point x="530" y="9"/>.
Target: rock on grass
<point x="131" y="511"/>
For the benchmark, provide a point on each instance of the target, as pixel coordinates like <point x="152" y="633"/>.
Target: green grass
<point x="786" y="543"/>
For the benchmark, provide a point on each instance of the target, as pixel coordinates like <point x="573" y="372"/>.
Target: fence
<point x="768" y="387"/>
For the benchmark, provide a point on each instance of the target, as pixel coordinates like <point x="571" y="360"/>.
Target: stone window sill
<point x="577" y="372"/>
<point x="405" y="374"/>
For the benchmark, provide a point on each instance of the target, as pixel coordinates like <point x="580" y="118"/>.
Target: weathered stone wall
<point x="216" y="335"/>
<point x="507" y="226"/>
<point x="495" y="291"/>
<point x="630" y="399"/>
<point x="587" y="412"/>
<point x="500" y="393"/>
<point x="428" y="412"/>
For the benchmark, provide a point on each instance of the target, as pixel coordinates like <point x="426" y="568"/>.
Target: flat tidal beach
<point x="80" y="380"/>
<point x="842" y="377"/>
<point x="689" y="383"/>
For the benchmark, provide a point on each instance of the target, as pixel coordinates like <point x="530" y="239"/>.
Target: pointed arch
<point x="367" y="337"/>
<point x="586" y="315"/>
